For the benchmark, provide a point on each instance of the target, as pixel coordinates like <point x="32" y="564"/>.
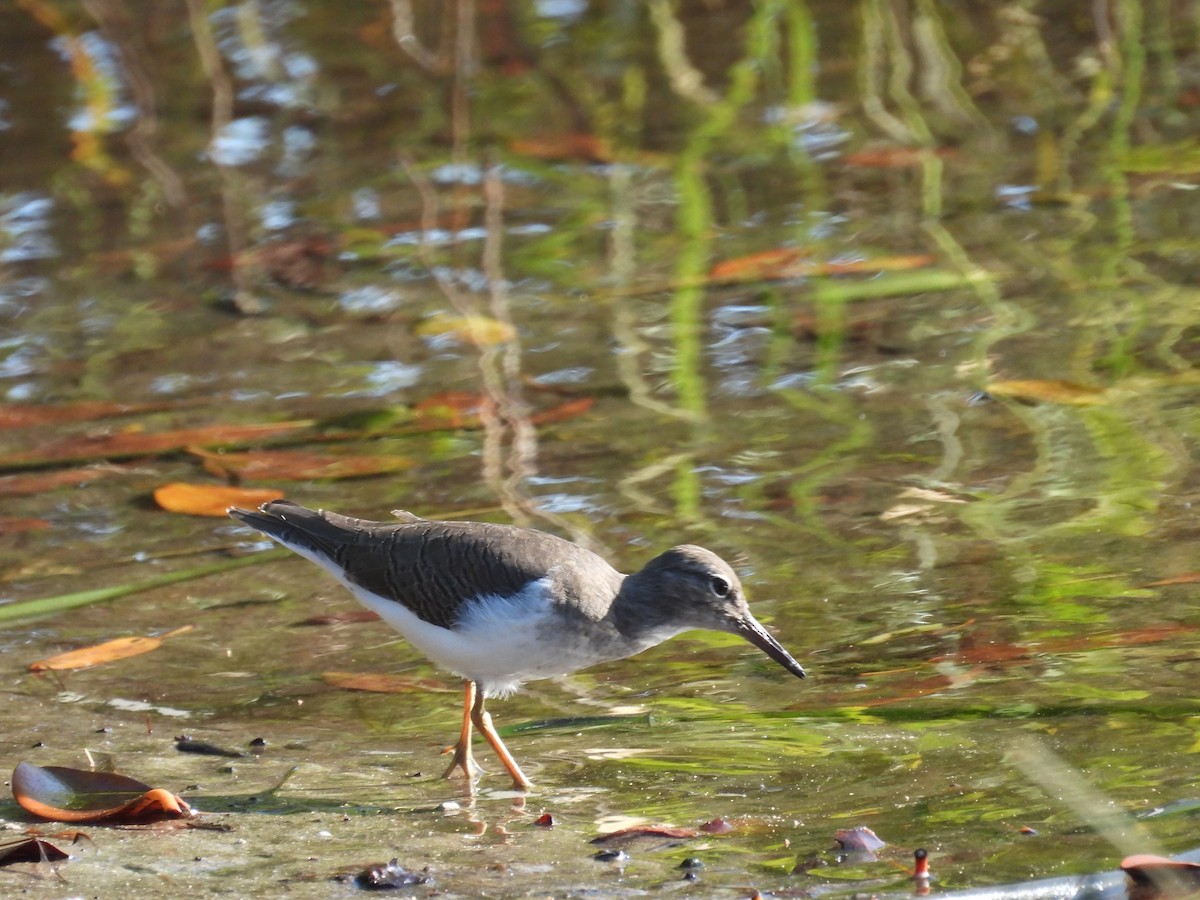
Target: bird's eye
<point x="719" y="586"/>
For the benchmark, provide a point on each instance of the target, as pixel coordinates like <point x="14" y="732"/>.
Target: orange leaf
<point x="564" y="411"/>
<point x="1049" y="390"/>
<point x="756" y="266"/>
<point x="384" y="684"/>
<point x="210" y="499"/>
<point x="109" y="651"/>
<point x="775" y="265"/>
<point x="77" y="795"/>
<point x="296" y="465"/>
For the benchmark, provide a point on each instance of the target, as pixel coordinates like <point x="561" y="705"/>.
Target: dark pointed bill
<point x="751" y="630"/>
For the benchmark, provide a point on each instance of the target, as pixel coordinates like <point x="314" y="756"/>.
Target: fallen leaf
<point x="109" y="651"/>
<point x="10" y="525"/>
<point x="858" y="838"/>
<point x="210" y="499"/>
<point x="1036" y="390"/>
<point x="304" y="264"/>
<point x="776" y="265"/>
<point x="893" y="157"/>
<point x="130" y="444"/>
<point x="640" y="831"/>
<point x="296" y="465"/>
<point x="456" y="409"/>
<point x="1160" y="878"/>
<point x="1185" y="578"/>
<point x="859" y="844"/>
<point x="41" y="482"/>
<point x="563" y="412"/>
<point x="22" y="415"/>
<point x="34" y="848"/>
<point x="574" y="145"/>
<point x="479" y="331"/>
<point x="64" y="794"/>
<point x="756" y="266"/>
<point x="384" y="684"/>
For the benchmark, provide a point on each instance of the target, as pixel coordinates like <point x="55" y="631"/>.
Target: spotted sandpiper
<point x="498" y="604"/>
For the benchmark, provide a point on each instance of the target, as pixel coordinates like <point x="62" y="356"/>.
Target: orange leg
<point x="483" y="721"/>
<point x="462" y="750"/>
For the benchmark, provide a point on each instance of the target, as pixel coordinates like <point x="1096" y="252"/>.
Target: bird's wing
<point x="431" y="567"/>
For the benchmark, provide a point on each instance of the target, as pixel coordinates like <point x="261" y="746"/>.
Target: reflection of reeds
<point x="1065" y="784"/>
<point x="232" y="188"/>
<point x="116" y="25"/>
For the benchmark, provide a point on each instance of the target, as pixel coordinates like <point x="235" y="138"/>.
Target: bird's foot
<point x="464" y="761"/>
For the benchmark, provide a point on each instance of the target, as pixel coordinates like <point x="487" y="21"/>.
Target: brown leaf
<point x="1048" y="390"/>
<point x="892" y="157"/>
<point x="380" y="683"/>
<point x="64" y="794"/>
<point x="575" y="145"/>
<point x="639" y="831"/>
<point x="109" y="651"/>
<point x="1185" y="578"/>
<point x="457" y="409"/>
<point x="1159" y="878"/>
<point x="304" y="264"/>
<point x="571" y="409"/>
<point x="30" y="849"/>
<point x="12" y="525"/>
<point x="859" y="838"/>
<point x="296" y="465"/>
<point x="21" y="415"/>
<point x="775" y="265"/>
<point x="42" y="482"/>
<point x="210" y="499"/>
<point x="129" y="444"/>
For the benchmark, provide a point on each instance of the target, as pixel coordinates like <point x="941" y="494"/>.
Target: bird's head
<point x="691" y="587"/>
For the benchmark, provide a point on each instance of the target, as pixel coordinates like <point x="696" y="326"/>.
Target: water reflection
<point x="965" y="196"/>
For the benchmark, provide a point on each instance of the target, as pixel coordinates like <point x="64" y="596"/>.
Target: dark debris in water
<point x="617" y="856"/>
<point x="390" y="876"/>
<point x="184" y="743"/>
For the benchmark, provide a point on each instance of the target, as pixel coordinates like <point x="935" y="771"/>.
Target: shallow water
<point x="892" y="305"/>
